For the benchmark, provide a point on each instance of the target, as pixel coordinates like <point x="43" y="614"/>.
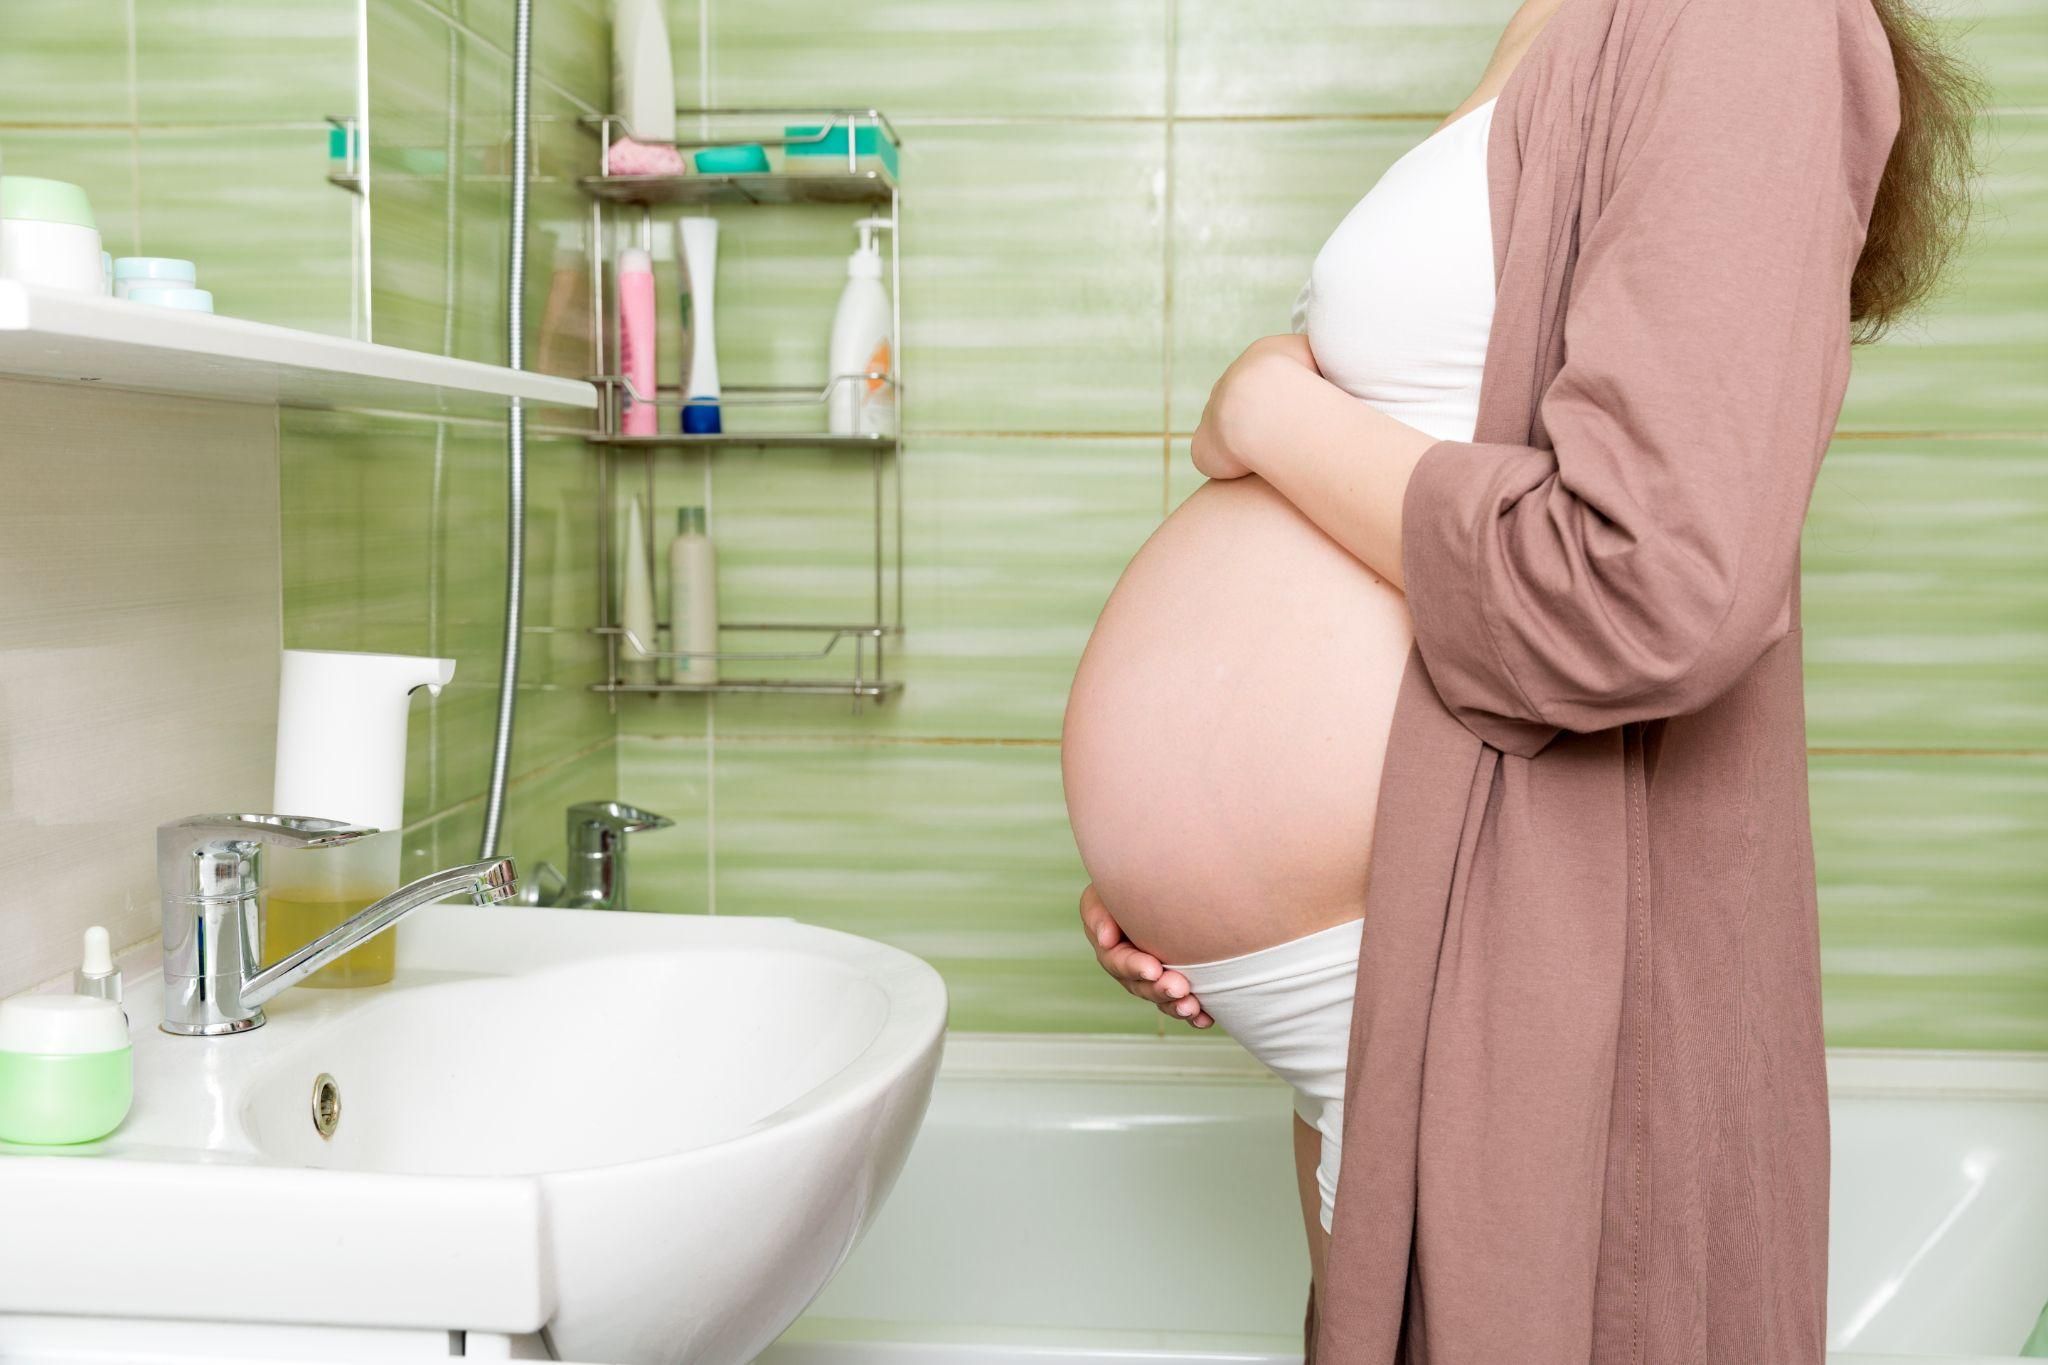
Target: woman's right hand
<point x="1136" y="970"/>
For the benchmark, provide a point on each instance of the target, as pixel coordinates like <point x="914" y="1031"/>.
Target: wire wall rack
<point x="846" y="659"/>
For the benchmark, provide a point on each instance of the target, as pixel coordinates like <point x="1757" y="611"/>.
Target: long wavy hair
<point x="1924" y="199"/>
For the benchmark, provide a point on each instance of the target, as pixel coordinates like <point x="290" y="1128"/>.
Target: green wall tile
<point x="65" y="61"/>
<point x="252" y="207"/>
<point x="416" y="61"/>
<point x="100" y="161"/>
<point x="1926" y="595"/>
<point x="2009" y="44"/>
<point x="394" y="541"/>
<point x="958" y="853"/>
<point x="670" y="868"/>
<point x="1252" y="204"/>
<point x="535" y="806"/>
<point x="357" y="520"/>
<point x="1977" y="359"/>
<point x="1934" y="901"/>
<point x="1330" y="56"/>
<point x="1033" y="286"/>
<point x="245" y="61"/>
<point x="571" y="41"/>
<point x="780" y="271"/>
<point x="943" y="57"/>
<point x="1012" y="545"/>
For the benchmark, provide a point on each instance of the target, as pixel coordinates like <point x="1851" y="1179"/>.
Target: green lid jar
<point x="37" y="200"/>
<point x="66" y="1069"/>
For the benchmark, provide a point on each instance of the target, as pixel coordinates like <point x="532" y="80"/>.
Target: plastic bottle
<point x="636" y="602"/>
<point x="693" y="597"/>
<point x="341" y="733"/>
<point x="643" y="70"/>
<point x="636" y="340"/>
<point x="698" y="240"/>
<point x="862" y="348"/>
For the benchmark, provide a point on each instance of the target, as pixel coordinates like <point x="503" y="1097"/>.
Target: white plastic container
<point x="861" y="356"/>
<point x="48" y="236"/>
<point x="693" y="598"/>
<point x="186" y="300"/>
<point x="153" y="272"/>
<point x="643" y="71"/>
<point x="341" y="732"/>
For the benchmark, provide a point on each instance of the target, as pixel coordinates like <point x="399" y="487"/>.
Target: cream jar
<point x="66" y="1069"/>
<point x="48" y="236"/>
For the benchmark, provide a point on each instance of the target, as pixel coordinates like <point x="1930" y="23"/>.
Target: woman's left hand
<point x="1243" y="400"/>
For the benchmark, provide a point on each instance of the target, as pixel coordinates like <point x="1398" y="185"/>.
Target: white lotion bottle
<point x="697" y="241"/>
<point x="636" y="603"/>
<point x="693" y="598"/>
<point x="862" y="346"/>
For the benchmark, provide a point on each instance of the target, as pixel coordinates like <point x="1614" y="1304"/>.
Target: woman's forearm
<point x="1342" y="462"/>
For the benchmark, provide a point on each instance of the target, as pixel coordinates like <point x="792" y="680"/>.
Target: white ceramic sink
<point x="652" y="1137"/>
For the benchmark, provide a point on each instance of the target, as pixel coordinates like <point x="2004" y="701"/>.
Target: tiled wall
<point x="1105" y="200"/>
<point x="394" y="528"/>
<point x="198" y="129"/>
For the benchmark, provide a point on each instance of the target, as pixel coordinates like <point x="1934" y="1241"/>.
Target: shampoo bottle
<point x="636" y="340"/>
<point x="862" y="399"/>
<point x="693" y="598"/>
<point x="341" y="723"/>
<point x="698" y="238"/>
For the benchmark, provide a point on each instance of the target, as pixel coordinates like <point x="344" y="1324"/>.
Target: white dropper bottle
<point x="96" y="975"/>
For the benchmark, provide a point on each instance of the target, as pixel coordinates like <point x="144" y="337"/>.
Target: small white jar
<point x="190" y="300"/>
<point x="48" y="236"/>
<point x="152" y="272"/>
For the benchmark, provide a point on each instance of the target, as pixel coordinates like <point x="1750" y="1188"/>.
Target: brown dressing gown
<point x="1587" y="1109"/>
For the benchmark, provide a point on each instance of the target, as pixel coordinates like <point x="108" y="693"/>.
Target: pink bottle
<point x="636" y="338"/>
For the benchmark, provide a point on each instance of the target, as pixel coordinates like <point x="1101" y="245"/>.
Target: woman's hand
<point x="1243" y="400"/>
<point x="1137" y="971"/>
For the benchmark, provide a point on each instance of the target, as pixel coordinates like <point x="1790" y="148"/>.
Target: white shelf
<point x="83" y="339"/>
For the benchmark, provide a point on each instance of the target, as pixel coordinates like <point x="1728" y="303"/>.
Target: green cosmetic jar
<point x="66" y="1069"/>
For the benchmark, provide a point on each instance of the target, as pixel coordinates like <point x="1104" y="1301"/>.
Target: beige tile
<point x="138" y="650"/>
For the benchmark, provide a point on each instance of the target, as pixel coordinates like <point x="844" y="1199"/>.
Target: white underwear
<point x="1290" y="1007"/>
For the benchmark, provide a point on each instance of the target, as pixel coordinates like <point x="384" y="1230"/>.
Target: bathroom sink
<point x="651" y="1138"/>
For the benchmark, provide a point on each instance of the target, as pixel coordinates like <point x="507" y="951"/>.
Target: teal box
<point x="867" y="142"/>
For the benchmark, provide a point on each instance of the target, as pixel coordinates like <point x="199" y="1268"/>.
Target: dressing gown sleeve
<point x="1638" y="566"/>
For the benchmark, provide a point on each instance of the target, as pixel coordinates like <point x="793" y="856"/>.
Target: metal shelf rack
<point x="761" y="420"/>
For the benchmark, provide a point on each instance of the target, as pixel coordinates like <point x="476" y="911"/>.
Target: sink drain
<point x="326" y="1105"/>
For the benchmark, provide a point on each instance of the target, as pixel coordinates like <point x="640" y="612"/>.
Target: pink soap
<point x="629" y="157"/>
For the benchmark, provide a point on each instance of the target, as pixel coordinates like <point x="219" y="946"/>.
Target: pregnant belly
<point x="1227" y="727"/>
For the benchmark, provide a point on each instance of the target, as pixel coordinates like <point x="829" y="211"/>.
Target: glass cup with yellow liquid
<point x="312" y="890"/>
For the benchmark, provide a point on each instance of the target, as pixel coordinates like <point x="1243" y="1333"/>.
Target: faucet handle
<point x="616" y="816"/>
<point x="213" y="855"/>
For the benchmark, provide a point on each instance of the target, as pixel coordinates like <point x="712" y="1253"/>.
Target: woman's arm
<point x="1343" y="462"/>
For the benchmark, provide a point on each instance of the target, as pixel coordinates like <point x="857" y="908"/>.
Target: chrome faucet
<point x="597" y="854"/>
<point x="210" y="873"/>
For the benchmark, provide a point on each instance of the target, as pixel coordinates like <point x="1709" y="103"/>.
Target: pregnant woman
<point x="1447" y="747"/>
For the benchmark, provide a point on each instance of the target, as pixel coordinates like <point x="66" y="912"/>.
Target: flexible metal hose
<point x="515" y="434"/>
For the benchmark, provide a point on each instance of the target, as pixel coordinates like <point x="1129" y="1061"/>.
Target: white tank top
<point x="1399" y="303"/>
